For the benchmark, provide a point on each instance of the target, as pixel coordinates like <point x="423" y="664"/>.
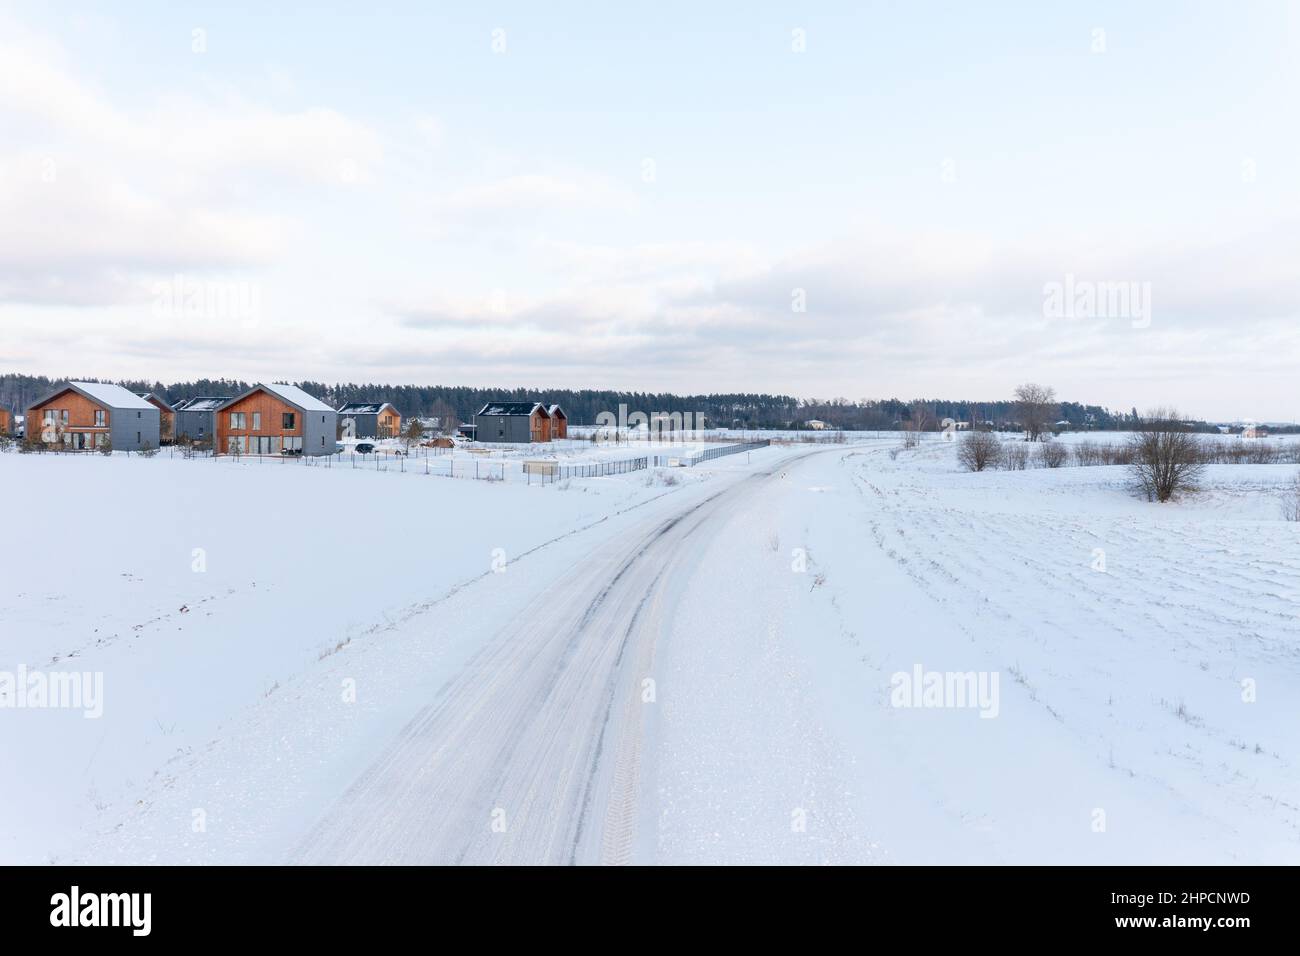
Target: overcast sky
<point x="817" y="199"/>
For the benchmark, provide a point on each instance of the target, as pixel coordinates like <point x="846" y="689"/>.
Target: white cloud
<point x="113" y="196"/>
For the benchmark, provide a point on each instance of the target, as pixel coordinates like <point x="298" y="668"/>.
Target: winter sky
<point x="818" y="199"/>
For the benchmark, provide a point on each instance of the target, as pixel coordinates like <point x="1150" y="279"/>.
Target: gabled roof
<point x="512" y="409"/>
<point x="291" y="394"/>
<point x="365" y="408"/>
<point x="205" y="404"/>
<point x="151" y="398"/>
<point x="110" y="396"/>
<point x="555" y="411"/>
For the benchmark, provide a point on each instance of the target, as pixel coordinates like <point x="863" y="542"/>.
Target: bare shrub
<point x="919" y="419"/>
<point x="1015" y="456"/>
<point x="1053" y="455"/>
<point x="1291" y="500"/>
<point x="977" y="450"/>
<point x="147" y="450"/>
<point x="1166" y="455"/>
<point x="1086" y="453"/>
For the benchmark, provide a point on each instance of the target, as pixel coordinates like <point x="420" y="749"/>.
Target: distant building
<point x="370" y="420"/>
<point x="516" y="422"/>
<point x="85" y="415"/>
<point x="815" y="424"/>
<point x="559" y="422"/>
<point x="196" y="418"/>
<point x="6" y="421"/>
<point x="166" y="417"/>
<point x="276" y="420"/>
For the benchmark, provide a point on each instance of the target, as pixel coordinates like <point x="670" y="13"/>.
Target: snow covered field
<point x="675" y="666"/>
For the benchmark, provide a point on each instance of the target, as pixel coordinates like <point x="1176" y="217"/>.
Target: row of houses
<point x="264" y="420"/>
<point x="520" y="422"/>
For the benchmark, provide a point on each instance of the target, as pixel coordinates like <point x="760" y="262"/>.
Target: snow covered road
<point x="532" y="754"/>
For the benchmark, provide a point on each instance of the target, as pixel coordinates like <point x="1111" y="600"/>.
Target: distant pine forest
<point x="737" y="410"/>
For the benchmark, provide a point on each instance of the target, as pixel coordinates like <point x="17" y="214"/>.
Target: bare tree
<point x="1291" y="500"/>
<point x="448" y="420"/>
<point x="977" y="450"/>
<point x="1166" y="455"/>
<point x="1037" y="408"/>
<point x="1053" y="454"/>
<point x="918" y="420"/>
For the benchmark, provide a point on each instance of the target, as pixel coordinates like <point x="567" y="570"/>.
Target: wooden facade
<point x="539" y="424"/>
<point x="390" y="423"/>
<point x="559" y="422"/>
<point x="259" y="424"/>
<point x="166" y="418"/>
<point x="71" y="419"/>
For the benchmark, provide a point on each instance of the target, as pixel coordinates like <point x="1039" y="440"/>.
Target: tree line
<point x="720" y="410"/>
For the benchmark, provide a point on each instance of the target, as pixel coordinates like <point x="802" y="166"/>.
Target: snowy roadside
<point x="1143" y="713"/>
<point x="205" y="595"/>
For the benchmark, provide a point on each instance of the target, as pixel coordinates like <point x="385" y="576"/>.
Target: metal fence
<point x="690" y="461"/>
<point x="552" y="471"/>
<point x="435" y="462"/>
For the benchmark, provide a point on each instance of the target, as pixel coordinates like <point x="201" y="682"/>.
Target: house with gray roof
<point x="513" y="422"/>
<point x="84" y="415"/>
<point x="196" y="418"/>
<point x="276" y="420"/>
<point x="370" y="420"/>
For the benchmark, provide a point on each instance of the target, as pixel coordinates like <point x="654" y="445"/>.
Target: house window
<point x="49" y="416"/>
<point x="99" y="418"/>
<point x="287" y="421"/>
<point x="64" y="413"/>
<point x="237" y="420"/>
<point x="257" y="421"/>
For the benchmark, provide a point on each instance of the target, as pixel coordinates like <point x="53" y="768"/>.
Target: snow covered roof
<point x="555" y="410"/>
<point x="110" y="396"/>
<point x="148" y="396"/>
<point x="289" y="393"/>
<point x="364" y="408"/>
<point x="205" y="404"/>
<point x="296" y="396"/>
<point x="511" y="408"/>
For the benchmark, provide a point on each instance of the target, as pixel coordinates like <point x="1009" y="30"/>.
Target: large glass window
<point x="237" y="420"/>
<point x="99" y="418"/>
<point x="257" y="421"/>
<point x="288" y="422"/>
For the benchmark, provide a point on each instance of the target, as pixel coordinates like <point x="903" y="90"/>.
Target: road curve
<point x="531" y="753"/>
